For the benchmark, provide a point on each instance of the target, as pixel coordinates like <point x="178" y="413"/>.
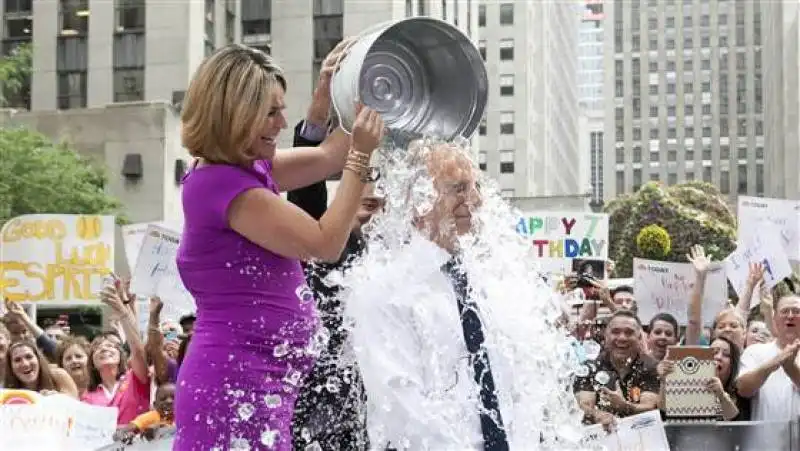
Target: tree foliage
<point x="691" y="213"/>
<point x="15" y="72"/>
<point x="38" y="176"/>
<point x="653" y="242"/>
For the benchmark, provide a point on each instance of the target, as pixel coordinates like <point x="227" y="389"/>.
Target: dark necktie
<point x="494" y="434"/>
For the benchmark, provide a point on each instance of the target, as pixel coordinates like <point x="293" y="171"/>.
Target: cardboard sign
<point x="753" y="212"/>
<point x="685" y="392"/>
<point x="765" y="248"/>
<point x="642" y="432"/>
<point x="667" y="287"/>
<point x="559" y="237"/>
<point x="31" y="421"/>
<point x="156" y="272"/>
<point x="56" y="259"/>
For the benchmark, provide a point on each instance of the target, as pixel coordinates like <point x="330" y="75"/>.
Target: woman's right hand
<point x="367" y="130"/>
<point x="665" y="368"/>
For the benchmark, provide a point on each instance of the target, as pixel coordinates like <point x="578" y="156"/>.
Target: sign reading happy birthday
<point x="55" y="258"/>
<point x="560" y="237"/>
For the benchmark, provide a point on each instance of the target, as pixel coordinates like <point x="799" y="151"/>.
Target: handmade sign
<point x="156" y="272"/>
<point x="55" y="258"/>
<point x="31" y="421"/>
<point x="559" y="237"/>
<point x="765" y="248"/>
<point x="685" y="392"/>
<point x="642" y="432"/>
<point x="753" y="212"/>
<point x="666" y="287"/>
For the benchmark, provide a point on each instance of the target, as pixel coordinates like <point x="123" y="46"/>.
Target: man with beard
<point x="330" y="410"/>
<point x="622" y="381"/>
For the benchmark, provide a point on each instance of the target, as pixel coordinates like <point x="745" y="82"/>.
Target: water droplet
<point x="332" y="384"/>
<point x="273" y="401"/>
<point x="197" y="417"/>
<point x="592" y="349"/>
<point x="281" y="350"/>
<point x="305" y="434"/>
<point x="293" y="377"/>
<point x="246" y="411"/>
<point x="602" y="377"/>
<point x="228" y="264"/>
<point x="240" y="444"/>
<point x="313" y="446"/>
<point x="268" y="438"/>
<point x="582" y="371"/>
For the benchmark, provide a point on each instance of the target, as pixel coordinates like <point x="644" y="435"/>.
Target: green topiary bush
<point x="653" y="242"/>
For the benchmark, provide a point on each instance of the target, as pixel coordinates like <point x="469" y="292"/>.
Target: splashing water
<point x="520" y="312"/>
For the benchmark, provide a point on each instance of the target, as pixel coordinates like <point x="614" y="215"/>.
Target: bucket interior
<point x="425" y="78"/>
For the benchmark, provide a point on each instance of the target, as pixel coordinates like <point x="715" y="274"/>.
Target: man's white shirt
<point x="778" y="399"/>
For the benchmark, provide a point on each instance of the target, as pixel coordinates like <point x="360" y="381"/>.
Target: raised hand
<point x="367" y="131"/>
<point x="755" y="274"/>
<point x="697" y="257"/>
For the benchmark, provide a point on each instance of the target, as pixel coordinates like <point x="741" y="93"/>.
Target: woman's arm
<point x="754" y="277"/>
<point x="281" y="227"/>
<point x="64" y="383"/>
<point x="701" y="264"/>
<point x="155" y="342"/>
<point x="112" y="297"/>
<point x="302" y="166"/>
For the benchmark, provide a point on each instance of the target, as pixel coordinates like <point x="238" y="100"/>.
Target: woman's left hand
<point x="321" y="101"/>
<point x="715" y="385"/>
<point x="110" y="296"/>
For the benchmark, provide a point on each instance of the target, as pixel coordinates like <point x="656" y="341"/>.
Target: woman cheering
<point x="253" y="341"/>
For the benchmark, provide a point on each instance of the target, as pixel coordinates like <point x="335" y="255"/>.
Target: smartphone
<point x="171" y="335"/>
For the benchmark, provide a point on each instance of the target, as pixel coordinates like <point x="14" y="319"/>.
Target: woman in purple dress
<point x="255" y="335"/>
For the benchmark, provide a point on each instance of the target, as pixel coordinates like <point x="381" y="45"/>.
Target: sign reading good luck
<point x="55" y="258"/>
<point x="559" y="237"/>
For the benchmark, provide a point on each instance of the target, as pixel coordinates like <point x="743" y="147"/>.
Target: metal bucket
<point x="423" y="75"/>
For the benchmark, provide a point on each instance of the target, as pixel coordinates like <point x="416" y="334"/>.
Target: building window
<point x="328" y="30"/>
<point x="73" y="17"/>
<point x="507" y="14"/>
<point x="742" y="176"/>
<point x="482" y="127"/>
<point x="620" y="182"/>
<point x="71" y="65"/>
<point x="257" y="24"/>
<point x="507" y="123"/>
<point x="481" y="15"/>
<point x="506" y="161"/>
<point x="210" y="36"/>
<point x="707" y="174"/>
<point x="506" y="49"/>
<point x="672" y="178"/>
<point x="724" y="152"/>
<point x="129" y="15"/>
<point x="409" y="7"/>
<point x="482" y="160"/>
<point x="129" y="62"/>
<point x="506" y="85"/>
<point x="420" y="7"/>
<point x="724" y="182"/>
<point x="759" y="180"/>
<point x="482" y="49"/>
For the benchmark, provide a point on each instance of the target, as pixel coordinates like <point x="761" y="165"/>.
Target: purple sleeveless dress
<point x="254" y="338"/>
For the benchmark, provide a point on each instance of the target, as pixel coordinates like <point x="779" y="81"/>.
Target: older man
<point x="769" y="373"/>
<point x="418" y="333"/>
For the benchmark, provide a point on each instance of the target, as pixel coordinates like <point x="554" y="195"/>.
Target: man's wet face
<point x="457" y="194"/>
<point x="371" y="203"/>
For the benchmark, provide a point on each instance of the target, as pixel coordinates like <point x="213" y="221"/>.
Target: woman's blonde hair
<point x="228" y="100"/>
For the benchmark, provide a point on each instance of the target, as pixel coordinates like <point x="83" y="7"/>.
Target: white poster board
<point x="666" y="287"/>
<point x="156" y="273"/>
<point x="56" y="259"/>
<point x="559" y="237"/>
<point x="766" y="248"/>
<point x="642" y="432"/>
<point x="29" y="421"/>
<point x="753" y="212"/>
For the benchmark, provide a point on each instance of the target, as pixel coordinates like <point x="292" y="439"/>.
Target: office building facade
<point x="684" y="95"/>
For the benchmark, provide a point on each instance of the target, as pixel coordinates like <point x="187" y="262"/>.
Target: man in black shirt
<point x="622" y="381"/>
